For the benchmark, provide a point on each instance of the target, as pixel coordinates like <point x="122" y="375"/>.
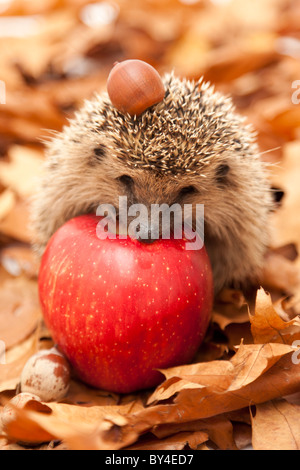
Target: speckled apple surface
<point x="119" y="309"/>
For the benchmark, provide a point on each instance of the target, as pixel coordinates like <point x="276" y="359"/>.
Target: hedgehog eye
<point x="126" y="180"/>
<point x="222" y="172"/>
<point x="100" y="152"/>
<point x="278" y="195"/>
<point x="188" y="190"/>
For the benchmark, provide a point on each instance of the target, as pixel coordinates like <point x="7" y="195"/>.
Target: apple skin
<point x="120" y="309"/>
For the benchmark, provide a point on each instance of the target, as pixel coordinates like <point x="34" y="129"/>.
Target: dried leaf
<point x="248" y="364"/>
<point x="257" y="374"/>
<point x="230" y="307"/>
<point x="219" y="429"/>
<point x="81" y="394"/>
<point x="23" y="171"/>
<point x="280" y="274"/>
<point x="19" y="310"/>
<point x="210" y="351"/>
<point x="21" y="429"/>
<point x="176" y="442"/>
<point x="268" y="326"/>
<point x="16" y="358"/>
<point x="16" y="224"/>
<point x="275" y="426"/>
<point x="242" y="435"/>
<point x="82" y="428"/>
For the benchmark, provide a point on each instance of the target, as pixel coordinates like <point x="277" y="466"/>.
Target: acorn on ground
<point x="46" y="374"/>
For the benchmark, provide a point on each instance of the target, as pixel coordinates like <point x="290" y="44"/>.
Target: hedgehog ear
<point x="134" y="86"/>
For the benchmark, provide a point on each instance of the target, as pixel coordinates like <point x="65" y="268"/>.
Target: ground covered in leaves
<point x="244" y="386"/>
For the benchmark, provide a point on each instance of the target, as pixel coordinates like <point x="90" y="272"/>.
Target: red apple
<point x="120" y="309"/>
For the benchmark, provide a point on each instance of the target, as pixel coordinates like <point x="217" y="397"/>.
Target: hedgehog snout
<point x="144" y="232"/>
<point x="146" y="237"/>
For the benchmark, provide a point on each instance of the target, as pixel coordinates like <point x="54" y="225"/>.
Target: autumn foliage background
<point x="244" y="387"/>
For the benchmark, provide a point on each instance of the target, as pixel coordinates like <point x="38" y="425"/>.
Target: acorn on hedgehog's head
<point x="163" y="141"/>
<point x="134" y="86"/>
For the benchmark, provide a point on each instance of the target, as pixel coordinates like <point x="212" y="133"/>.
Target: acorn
<point x="46" y="374"/>
<point x="134" y="86"/>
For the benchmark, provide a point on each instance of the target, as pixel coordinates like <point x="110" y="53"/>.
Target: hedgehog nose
<point x="146" y="237"/>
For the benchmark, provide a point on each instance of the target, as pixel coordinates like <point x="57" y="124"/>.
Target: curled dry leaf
<point x="249" y="363"/>
<point x="82" y="428"/>
<point x="202" y="402"/>
<point x="200" y="391"/>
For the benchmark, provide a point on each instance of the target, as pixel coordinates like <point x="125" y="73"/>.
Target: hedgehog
<point x="192" y="147"/>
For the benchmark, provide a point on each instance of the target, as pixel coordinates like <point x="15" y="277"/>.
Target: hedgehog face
<point x="147" y="188"/>
<point x="190" y="148"/>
